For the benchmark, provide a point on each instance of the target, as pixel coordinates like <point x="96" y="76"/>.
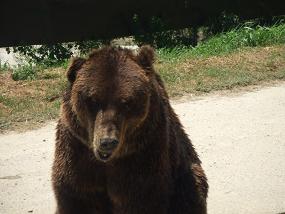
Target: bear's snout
<point x="106" y="148"/>
<point x="108" y="144"/>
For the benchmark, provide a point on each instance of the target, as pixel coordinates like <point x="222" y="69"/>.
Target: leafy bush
<point x="161" y="36"/>
<point x="55" y="54"/>
<point x="4" y="66"/>
<point x="24" y="72"/>
<point x="224" y="22"/>
<point x="44" y="54"/>
<point x="84" y="47"/>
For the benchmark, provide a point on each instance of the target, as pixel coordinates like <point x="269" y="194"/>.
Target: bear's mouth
<point x="103" y="155"/>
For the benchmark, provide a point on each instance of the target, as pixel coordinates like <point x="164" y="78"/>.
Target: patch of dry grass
<point x="25" y="104"/>
<point x="204" y="74"/>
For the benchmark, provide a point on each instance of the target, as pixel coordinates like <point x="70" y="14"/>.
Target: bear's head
<point x="109" y="98"/>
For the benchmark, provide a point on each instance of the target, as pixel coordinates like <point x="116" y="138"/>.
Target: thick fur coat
<point x="148" y="167"/>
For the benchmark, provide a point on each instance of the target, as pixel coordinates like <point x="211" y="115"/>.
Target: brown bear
<point x="120" y="148"/>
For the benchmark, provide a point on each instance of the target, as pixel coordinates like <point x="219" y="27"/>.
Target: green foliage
<point x="161" y="36"/>
<point x="44" y="54"/>
<point x="254" y="33"/>
<point x="54" y="55"/>
<point x="4" y="66"/>
<point x="224" y="22"/>
<point x="24" y="72"/>
<point x="246" y="35"/>
<point x="84" y="47"/>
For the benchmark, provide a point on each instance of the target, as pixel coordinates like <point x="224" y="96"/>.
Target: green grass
<point x="28" y="103"/>
<point x="228" y="42"/>
<point x="32" y="72"/>
<point x="26" y="111"/>
<point x="205" y="74"/>
<point x="244" y="36"/>
<point x="191" y="69"/>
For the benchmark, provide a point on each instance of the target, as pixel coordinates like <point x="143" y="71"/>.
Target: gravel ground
<point x="240" y="139"/>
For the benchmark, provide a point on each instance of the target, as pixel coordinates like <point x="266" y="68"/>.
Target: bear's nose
<point x="108" y="144"/>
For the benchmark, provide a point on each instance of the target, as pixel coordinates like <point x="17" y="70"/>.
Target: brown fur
<point x="153" y="169"/>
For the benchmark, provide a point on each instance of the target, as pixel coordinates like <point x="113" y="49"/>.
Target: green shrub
<point x="222" y="23"/>
<point x="53" y="55"/>
<point x="4" y="66"/>
<point x="158" y="33"/>
<point x="24" y="72"/>
<point x="44" y="54"/>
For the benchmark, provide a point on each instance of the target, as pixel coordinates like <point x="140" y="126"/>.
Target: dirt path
<point x="240" y="138"/>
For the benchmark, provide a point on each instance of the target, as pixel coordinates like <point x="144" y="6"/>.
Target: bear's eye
<point x="92" y="105"/>
<point x="129" y="105"/>
<point x="132" y="107"/>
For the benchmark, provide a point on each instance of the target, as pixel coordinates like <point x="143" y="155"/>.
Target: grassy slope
<point x="204" y="74"/>
<point x="27" y="103"/>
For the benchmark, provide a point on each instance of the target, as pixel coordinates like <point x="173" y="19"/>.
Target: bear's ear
<point x="145" y="57"/>
<point x="76" y="64"/>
